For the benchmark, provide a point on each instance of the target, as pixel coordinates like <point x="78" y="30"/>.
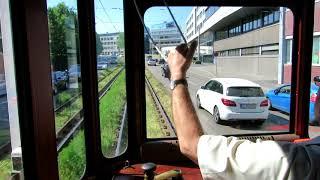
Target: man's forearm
<point x="186" y="122"/>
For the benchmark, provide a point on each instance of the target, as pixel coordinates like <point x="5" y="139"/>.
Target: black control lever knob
<point x="148" y="169"/>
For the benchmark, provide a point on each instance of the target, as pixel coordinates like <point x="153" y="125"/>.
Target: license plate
<point x="247" y="106"/>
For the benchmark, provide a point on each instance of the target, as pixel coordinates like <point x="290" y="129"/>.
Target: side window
<point x="285" y="90"/>
<point x="209" y="85"/>
<point x="214" y="86"/>
<point x="220" y="88"/>
<point x="111" y="76"/>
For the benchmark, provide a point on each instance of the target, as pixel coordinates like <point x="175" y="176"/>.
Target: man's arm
<point x="186" y="121"/>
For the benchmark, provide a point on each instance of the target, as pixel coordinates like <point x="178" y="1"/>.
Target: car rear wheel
<point x="199" y="103"/>
<point x="216" y="115"/>
<point x="259" y="122"/>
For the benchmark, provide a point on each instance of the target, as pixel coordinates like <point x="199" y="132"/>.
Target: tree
<point x="120" y="42"/>
<point x="99" y="47"/>
<point x="63" y="34"/>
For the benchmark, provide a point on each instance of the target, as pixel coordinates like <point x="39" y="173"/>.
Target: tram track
<point x="70" y="128"/>
<point x="166" y="124"/>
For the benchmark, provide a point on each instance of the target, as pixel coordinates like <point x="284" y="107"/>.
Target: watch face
<point x="171" y="85"/>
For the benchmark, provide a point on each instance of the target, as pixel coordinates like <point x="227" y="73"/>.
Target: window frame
<point x="30" y="32"/>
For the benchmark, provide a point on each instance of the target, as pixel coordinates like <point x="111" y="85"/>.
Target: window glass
<point x="245" y="91"/>
<point x="285" y="90"/>
<point x="316" y="50"/>
<point x="66" y="86"/>
<point x="111" y="75"/>
<point x="251" y="55"/>
<point x="10" y="145"/>
<point x="314" y="129"/>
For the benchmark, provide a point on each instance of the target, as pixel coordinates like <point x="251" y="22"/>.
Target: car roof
<point x="235" y="82"/>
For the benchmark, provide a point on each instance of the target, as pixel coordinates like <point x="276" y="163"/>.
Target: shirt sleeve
<point x="222" y="157"/>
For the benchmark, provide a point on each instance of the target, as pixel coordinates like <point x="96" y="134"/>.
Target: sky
<point x="109" y="14"/>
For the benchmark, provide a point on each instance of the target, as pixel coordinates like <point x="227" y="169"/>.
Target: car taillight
<point x="313" y="97"/>
<point x="227" y="102"/>
<point x="264" y="103"/>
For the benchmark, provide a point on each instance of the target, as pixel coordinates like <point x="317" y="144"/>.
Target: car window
<point x="216" y="87"/>
<point x="285" y="90"/>
<point x="209" y="85"/>
<point x="245" y="92"/>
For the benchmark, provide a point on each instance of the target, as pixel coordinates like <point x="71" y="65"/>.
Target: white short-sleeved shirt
<point x="222" y="157"/>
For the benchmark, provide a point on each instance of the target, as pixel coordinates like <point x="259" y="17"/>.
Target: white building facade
<point x="164" y="35"/>
<point x="109" y="44"/>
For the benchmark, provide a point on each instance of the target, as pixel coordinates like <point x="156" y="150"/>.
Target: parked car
<point x="59" y="81"/>
<point x="233" y="99"/>
<point x="74" y="73"/>
<point x="152" y="62"/>
<point x="279" y="98"/>
<point x="102" y="65"/>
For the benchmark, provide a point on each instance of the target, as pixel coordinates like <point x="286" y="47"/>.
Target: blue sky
<point x="109" y="14"/>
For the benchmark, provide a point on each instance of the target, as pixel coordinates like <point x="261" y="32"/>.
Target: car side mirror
<point x="202" y="87"/>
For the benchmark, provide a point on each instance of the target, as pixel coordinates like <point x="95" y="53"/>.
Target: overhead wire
<point x="146" y="29"/>
<point x="104" y="10"/>
<point x="175" y="22"/>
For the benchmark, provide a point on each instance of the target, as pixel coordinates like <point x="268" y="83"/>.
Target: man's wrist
<point x="178" y="76"/>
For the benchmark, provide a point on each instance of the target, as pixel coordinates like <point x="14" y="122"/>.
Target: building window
<point x="270" y="49"/>
<point x="222" y="34"/>
<point x="250" y="51"/>
<point x="288" y="58"/>
<point x="234" y="52"/>
<point x="222" y="53"/>
<point x="316" y="50"/>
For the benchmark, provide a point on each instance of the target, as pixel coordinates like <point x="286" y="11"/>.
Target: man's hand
<point x="179" y="60"/>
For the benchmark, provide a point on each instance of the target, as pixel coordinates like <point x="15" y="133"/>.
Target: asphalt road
<point x="198" y="75"/>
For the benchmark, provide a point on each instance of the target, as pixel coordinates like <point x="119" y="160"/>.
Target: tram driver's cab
<point x="116" y="122"/>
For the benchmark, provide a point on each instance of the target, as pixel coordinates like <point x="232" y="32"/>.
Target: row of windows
<point x="109" y="43"/>
<point x="248" y="24"/>
<point x="210" y="11"/>
<point x="108" y="38"/>
<point x="272" y="49"/>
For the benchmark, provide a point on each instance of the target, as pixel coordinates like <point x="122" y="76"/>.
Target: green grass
<point x="111" y="110"/>
<point x="72" y="158"/>
<point x="153" y="124"/>
<point x="62" y="117"/>
<point x="107" y="78"/>
<point x="5" y="168"/>
<point x="162" y="92"/>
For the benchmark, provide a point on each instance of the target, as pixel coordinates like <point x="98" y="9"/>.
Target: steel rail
<point x="165" y="121"/>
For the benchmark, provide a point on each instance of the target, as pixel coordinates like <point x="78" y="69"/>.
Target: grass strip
<point x="153" y="119"/>
<point x="71" y="159"/>
<point x="107" y="78"/>
<point x="5" y="168"/>
<point x="111" y="110"/>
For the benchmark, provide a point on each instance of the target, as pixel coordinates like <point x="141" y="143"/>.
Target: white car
<point x="233" y="99"/>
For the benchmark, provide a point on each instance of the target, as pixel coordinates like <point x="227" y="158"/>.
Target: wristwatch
<point x="174" y="83"/>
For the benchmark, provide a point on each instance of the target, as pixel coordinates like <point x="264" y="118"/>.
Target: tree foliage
<point x="120" y="42"/>
<point x="99" y="47"/>
<point x="63" y="34"/>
